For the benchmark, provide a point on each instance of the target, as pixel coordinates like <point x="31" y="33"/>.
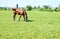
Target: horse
<point x="21" y="12"/>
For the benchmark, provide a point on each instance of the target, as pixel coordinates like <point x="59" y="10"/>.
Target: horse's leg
<point x="24" y="17"/>
<point x="20" y="17"/>
<point x="14" y="16"/>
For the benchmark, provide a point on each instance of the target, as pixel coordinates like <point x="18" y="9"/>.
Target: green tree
<point x="38" y="7"/>
<point x="46" y="7"/>
<point x="1" y="8"/>
<point x="29" y="8"/>
<point x="34" y="7"/>
<point x="59" y="6"/>
<point x="56" y="9"/>
<point x="4" y="8"/>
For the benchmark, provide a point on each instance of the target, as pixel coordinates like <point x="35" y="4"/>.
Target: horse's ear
<point x="13" y="9"/>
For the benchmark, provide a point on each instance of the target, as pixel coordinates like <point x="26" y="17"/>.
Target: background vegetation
<point x="43" y="8"/>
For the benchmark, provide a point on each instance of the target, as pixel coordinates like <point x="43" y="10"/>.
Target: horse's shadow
<point x="29" y="20"/>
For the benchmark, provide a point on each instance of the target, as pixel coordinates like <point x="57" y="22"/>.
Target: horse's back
<point x="20" y="11"/>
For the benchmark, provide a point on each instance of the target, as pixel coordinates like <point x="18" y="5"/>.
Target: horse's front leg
<point x="20" y="17"/>
<point x="14" y="16"/>
<point x="24" y="17"/>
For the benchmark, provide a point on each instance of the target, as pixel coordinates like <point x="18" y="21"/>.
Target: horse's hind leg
<point x="20" y="17"/>
<point x="14" y="16"/>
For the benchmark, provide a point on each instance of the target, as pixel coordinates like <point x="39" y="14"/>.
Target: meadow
<point x="40" y="25"/>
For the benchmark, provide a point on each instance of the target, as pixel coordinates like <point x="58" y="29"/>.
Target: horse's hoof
<point x="14" y="20"/>
<point x="26" y="21"/>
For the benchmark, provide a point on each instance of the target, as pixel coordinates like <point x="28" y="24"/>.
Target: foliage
<point x="34" y="7"/>
<point x="5" y="8"/>
<point x="29" y="8"/>
<point x="46" y="7"/>
<point x="37" y="8"/>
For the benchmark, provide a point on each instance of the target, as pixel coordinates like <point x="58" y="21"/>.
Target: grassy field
<point x="40" y="25"/>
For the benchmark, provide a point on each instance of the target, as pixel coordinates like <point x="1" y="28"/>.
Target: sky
<point x="24" y="3"/>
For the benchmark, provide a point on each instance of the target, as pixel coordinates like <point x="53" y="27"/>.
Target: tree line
<point x="44" y="8"/>
<point x="30" y="8"/>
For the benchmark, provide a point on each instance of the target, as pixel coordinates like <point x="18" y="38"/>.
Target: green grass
<point x="41" y="25"/>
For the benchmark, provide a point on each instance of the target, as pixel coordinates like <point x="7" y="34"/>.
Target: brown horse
<point x="20" y="12"/>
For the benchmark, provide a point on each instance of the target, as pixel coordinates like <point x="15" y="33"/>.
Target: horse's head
<point x="13" y="9"/>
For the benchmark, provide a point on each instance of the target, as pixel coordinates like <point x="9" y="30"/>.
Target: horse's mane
<point x="14" y="9"/>
<point x="18" y="9"/>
